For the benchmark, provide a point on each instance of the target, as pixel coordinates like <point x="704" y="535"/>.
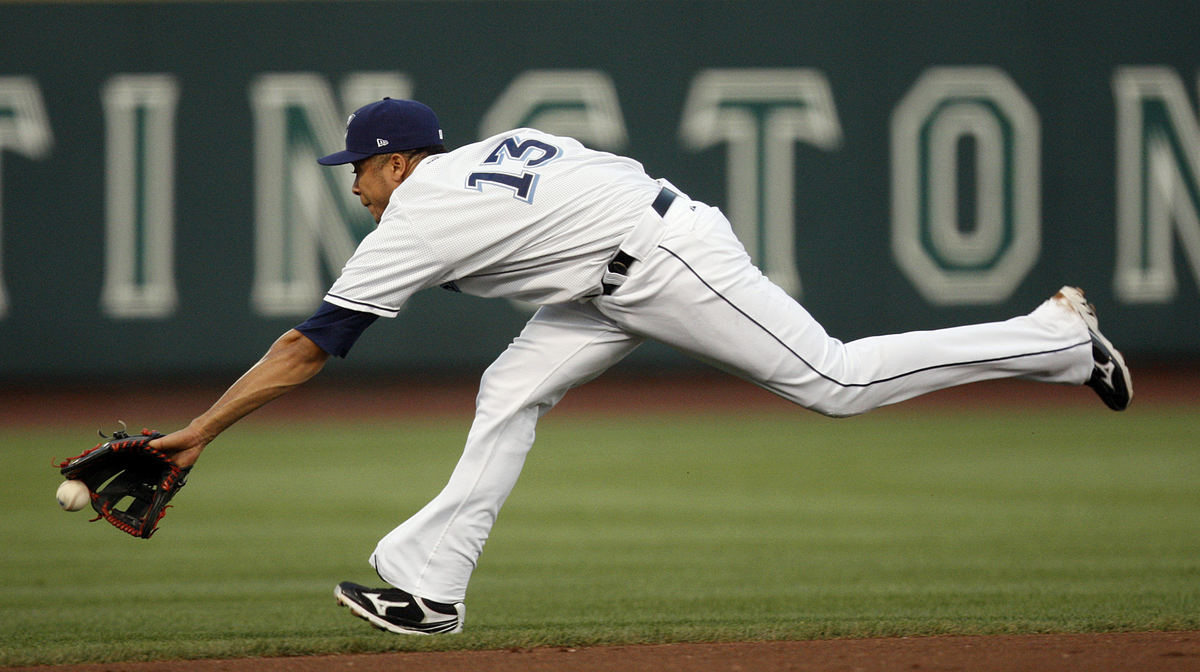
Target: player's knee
<point x="838" y="413"/>
<point x="838" y="406"/>
<point x="828" y="400"/>
<point x="492" y="388"/>
<point x="502" y="393"/>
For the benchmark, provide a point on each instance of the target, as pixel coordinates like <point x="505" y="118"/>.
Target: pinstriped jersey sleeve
<point x="392" y="263"/>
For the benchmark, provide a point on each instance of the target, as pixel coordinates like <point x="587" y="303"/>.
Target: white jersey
<point x="523" y="215"/>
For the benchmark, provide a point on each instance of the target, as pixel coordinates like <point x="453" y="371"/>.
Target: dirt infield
<point x="89" y="403"/>
<point x="1123" y="652"/>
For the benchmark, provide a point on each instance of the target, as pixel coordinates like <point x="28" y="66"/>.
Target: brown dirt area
<point x="618" y="393"/>
<point x="1109" y="652"/>
<point x="1113" y="652"/>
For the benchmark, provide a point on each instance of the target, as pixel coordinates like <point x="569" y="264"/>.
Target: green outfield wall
<point x="895" y="165"/>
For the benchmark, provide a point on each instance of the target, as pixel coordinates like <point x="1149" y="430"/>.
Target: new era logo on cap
<point x="388" y="125"/>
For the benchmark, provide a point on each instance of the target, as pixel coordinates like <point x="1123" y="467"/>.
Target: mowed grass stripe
<point x="640" y="529"/>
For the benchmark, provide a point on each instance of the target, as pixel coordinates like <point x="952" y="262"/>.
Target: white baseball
<point x="73" y="495"/>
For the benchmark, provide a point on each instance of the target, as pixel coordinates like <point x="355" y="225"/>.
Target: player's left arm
<point x="292" y="360"/>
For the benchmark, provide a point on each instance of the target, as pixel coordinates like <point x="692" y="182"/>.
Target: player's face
<point x="374" y="182"/>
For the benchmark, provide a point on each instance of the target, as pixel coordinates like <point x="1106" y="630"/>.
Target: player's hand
<point x="183" y="446"/>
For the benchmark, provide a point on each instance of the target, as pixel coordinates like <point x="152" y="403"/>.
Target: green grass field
<point x="646" y="529"/>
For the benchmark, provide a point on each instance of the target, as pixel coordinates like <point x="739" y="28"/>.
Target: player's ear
<point x="403" y="164"/>
<point x="397" y="165"/>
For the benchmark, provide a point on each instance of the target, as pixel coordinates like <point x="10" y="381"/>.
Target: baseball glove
<point x="130" y="483"/>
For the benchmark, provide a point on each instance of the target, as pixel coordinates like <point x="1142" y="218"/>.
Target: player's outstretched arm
<point x="292" y="360"/>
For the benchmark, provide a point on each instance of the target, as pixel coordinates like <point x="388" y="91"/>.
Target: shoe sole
<point x="1073" y="296"/>
<point x="380" y="624"/>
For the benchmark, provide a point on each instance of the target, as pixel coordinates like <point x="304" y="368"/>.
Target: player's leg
<point x="700" y="293"/>
<point x="433" y="553"/>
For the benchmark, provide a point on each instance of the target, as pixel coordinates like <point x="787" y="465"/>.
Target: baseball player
<point x="613" y="257"/>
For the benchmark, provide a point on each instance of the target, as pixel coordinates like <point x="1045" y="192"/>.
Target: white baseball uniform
<point x="538" y="217"/>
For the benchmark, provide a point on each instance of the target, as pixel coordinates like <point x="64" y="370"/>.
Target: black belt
<point x="663" y="201"/>
<point x="621" y="263"/>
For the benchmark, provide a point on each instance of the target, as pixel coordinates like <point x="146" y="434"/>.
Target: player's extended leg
<point x="433" y="553"/>
<point x="700" y="293"/>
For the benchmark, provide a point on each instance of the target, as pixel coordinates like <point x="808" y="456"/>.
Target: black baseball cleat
<point x="399" y="611"/>
<point x="1110" y="376"/>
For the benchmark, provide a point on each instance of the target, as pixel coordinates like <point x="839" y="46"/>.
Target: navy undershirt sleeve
<point x="335" y="329"/>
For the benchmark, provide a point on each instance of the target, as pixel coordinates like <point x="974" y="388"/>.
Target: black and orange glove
<point x="130" y="483"/>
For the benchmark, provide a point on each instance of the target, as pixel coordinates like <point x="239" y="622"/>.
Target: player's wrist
<point x="201" y="432"/>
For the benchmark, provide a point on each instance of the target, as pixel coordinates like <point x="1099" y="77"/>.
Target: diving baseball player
<point x="613" y="257"/>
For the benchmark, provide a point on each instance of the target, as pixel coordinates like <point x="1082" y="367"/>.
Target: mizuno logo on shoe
<point x="382" y="605"/>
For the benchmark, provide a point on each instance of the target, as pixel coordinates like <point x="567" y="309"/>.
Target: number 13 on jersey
<point x="514" y="152"/>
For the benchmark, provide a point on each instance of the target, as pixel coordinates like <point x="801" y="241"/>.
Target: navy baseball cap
<point x="385" y="126"/>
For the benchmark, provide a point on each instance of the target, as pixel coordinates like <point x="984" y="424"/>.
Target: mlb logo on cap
<point x="385" y="126"/>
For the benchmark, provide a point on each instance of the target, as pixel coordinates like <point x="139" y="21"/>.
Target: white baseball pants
<point x="698" y="291"/>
